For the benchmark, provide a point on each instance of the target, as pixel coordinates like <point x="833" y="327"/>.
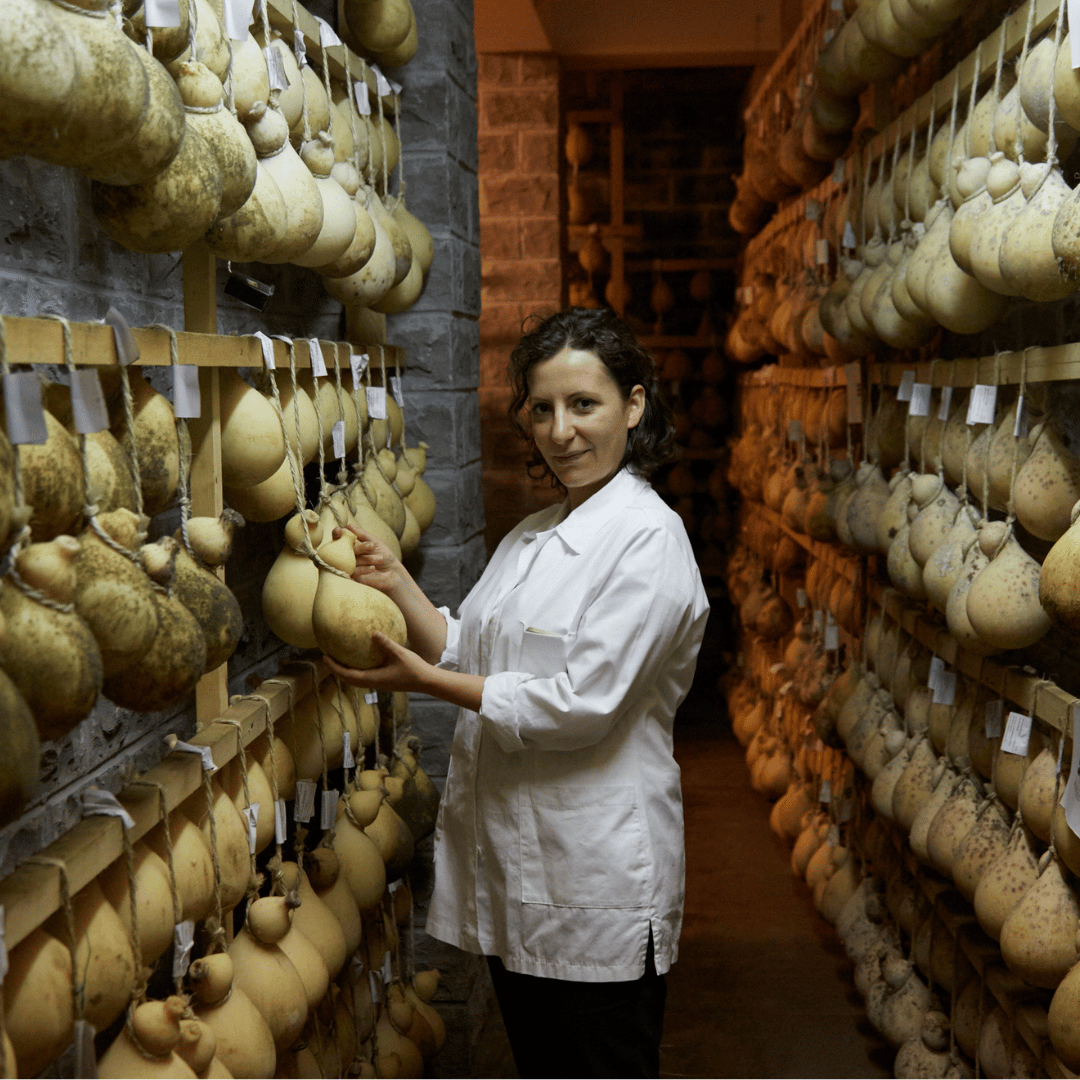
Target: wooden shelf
<point x="280" y="15"/>
<point x="41" y="341"/>
<point x="680" y="266"/>
<point x="815" y="378"/>
<point x="1044" y="364"/>
<point x="31" y="893"/>
<point x="592" y="116"/>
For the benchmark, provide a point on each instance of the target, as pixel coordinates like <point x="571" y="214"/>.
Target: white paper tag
<point x="280" y="821"/>
<point x="299" y="46"/>
<point x="836" y="5"/>
<point x="327" y="37"/>
<point x="98" y="801"/>
<point x="1020" y="428"/>
<point x="785" y="689"/>
<point x="395" y="388"/>
<point x="822" y="255"/>
<point x="360" y="97"/>
<point x="158" y="14"/>
<point x="833" y="839"/>
<point x="1074" y="39"/>
<point x="382" y="87"/>
<point x="85" y="1058"/>
<point x="838" y="171"/>
<point x="267" y="347"/>
<point x="848" y="239"/>
<point x="387" y="969"/>
<point x="318" y="364"/>
<point x="395" y="86"/>
<point x="356" y="969"/>
<point x="937" y="669"/>
<point x="304" y="810"/>
<point x="946" y="403"/>
<point x="3" y="946"/>
<point x="825" y="795"/>
<point x="982" y="403"/>
<point x="349" y="761"/>
<point x="376" y="402"/>
<point x="183" y="939"/>
<point x="23" y="411"/>
<point x="328" y="809"/>
<point x="252" y="814"/>
<point x="907" y="381"/>
<point x="1017" y="734"/>
<point x="945" y="691"/>
<point x="992" y="716"/>
<point x="187" y="398"/>
<point x="794" y="431"/>
<point x="800" y="597"/>
<point x="87" y="402"/>
<point x="830" y="33"/>
<point x="237" y="19"/>
<point x="371" y="697"/>
<point x="376" y="984"/>
<point x="338" y="434"/>
<point x="357" y="363"/>
<point x="774" y="668"/>
<point x="204" y="752"/>
<point x="920" y="399"/>
<point x="1070" y="798"/>
<point x="127" y="348"/>
<point x="813" y="210"/>
<point x="819" y="620"/>
<point x="275" y="68"/>
<point x="832" y="634"/>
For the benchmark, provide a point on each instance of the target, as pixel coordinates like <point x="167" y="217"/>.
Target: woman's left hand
<point x="401" y="669"/>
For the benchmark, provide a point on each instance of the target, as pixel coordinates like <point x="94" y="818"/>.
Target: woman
<point x="559" y="849"/>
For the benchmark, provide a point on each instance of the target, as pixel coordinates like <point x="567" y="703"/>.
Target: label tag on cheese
<point x="275" y="68"/>
<point x="346" y="750"/>
<point x="825" y="795"/>
<point x="159" y="14"/>
<point x="833" y="839"/>
<point x="945" y="691"/>
<point x="85" y="1059"/>
<point x="318" y="364"/>
<point x="328" y="810"/>
<point x="946" y="403"/>
<point x="183" y="939"/>
<point x="1070" y="798"/>
<point x="237" y="19"/>
<point x="395" y="388"/>
<point x="993" y="715"/>
<point x="1017" y="734"/>
<point x="87" y="402"/>
<point x="907" y="381"/>
<point x="838" y="171"/>
<point x="800" y="597"/>
<point x="299" y="46"/>
<point x="822" y="253"/>
<point x="382" y="86"/>
<point x="23" y="410"/>
<point x="327" y="37"/>
<point x="337" y="433"/>
<point x="251" y="813"/>
<point x="280" y="821"/>
<point x="127" y="348"/>
<point x="187" y="398"/>
<point x="304" y="810"/>
<point x="97" y="801"/>
<point x="832" y="634"/>
<point x="371" y="697"/>
<point x="848" y="239"/>
<point x="376" y="402"/>
<point x="813" y="210"/>
<point x="920" y="399"/>
<point x="360" y="95"/>
<point x="204" y="752"/>
<point x="937" y="669"/>
<point x="982" y="404"/>
<point x="1020" y="428"/>
<point x="267" y="347"/>
<point x="357" y="363"/>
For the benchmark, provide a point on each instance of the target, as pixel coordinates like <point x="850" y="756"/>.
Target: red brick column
<point x="519" y="249"/>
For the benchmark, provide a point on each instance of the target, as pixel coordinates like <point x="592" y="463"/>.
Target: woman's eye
<point x="539" y="408"/>
<point x="585" y="403"/>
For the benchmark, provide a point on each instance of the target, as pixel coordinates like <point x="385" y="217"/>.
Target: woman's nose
<point x="562" y="429"/>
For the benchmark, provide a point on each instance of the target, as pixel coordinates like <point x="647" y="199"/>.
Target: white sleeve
<point x="449" y="658"/>
<point x="649" y="615"/>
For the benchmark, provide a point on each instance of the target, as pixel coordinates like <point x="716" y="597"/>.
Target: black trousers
<point x="559" y="1028"/>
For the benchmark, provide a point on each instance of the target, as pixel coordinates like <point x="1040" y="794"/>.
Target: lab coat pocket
<point x="542" y="653"/>
<point x="583" y="847"/>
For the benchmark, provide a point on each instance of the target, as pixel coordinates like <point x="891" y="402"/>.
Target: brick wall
<point x="522" y="276"/>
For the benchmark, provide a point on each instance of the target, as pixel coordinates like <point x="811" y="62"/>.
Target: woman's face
<point x="579" y="420"/>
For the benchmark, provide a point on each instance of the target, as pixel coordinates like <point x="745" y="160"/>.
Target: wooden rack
<point x="31" y="893"/>
<point x="813" y="378"/>
<point x="1051" y="363"/>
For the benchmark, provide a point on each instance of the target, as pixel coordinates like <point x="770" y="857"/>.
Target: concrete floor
<point x="762" y="987"/>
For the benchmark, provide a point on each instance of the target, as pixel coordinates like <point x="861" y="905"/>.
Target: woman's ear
<point x="635" y="406"/>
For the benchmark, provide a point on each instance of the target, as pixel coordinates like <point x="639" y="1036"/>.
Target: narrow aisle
<point x="762" y="987"/>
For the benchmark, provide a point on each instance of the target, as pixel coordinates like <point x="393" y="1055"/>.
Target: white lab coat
<point x="559" y="842"/>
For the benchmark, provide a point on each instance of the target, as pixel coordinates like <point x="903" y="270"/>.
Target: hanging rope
<point x="241" y="757"/>
<point x="303" y="81"/>
<point x="1051" y="145"/>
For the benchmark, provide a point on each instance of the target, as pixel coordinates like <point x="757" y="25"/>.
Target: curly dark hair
<point x="652" y="442"/>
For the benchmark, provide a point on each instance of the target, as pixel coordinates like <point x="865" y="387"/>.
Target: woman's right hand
<point x="375" y="562"/>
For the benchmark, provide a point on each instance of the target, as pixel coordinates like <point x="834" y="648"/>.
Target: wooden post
<point x="200" y="316"/>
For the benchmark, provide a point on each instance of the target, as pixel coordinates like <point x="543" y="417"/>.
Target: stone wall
<point x="519" y="220"/>
<point x="54" y="259"/>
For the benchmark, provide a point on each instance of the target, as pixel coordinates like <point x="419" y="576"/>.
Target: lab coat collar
<point x="578" y="527"/>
